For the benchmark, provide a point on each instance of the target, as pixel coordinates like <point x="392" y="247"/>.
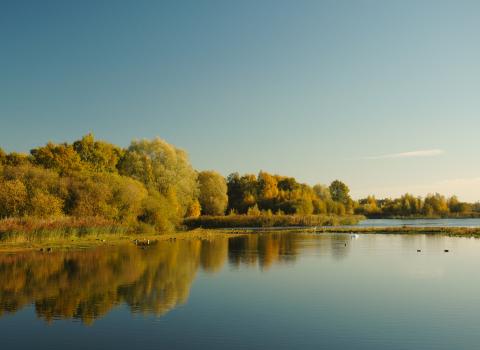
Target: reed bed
<point x="35" y="229"/>
<point x="239" y="221"/>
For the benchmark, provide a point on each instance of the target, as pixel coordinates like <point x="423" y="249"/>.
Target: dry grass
<point x="243" y="221"/>
<point x="35" y="229"/>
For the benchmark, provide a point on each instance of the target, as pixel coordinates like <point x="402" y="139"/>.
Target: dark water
<point x="265" y="291"/>
<point x="473" y="222"/>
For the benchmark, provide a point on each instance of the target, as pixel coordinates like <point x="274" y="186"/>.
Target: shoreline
<point x="92" y="241"/>
<point x="112" y="239"/>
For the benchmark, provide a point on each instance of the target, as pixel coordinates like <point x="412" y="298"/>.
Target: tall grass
<point x="237" y="221"/>
<point x="36" y="230"/>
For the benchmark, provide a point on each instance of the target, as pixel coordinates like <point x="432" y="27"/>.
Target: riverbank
<point x="70" y="233"/>
<point x="105" y="239"/>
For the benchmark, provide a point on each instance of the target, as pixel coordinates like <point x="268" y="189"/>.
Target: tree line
<point x="433" y="205"/>
<point x="151" y="184"/>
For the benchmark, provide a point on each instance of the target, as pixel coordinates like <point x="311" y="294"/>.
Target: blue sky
<point x="381" y="94"/>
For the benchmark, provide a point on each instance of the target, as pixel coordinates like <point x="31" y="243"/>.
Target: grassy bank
<point x="235" y="221"/>
<point x="17" y="230"/>
<point x="69" y="233"/>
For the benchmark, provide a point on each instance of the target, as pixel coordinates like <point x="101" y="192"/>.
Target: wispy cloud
<point x="411" y="154"/>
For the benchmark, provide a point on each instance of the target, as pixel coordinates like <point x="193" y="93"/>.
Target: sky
<point x="383" y="95"/>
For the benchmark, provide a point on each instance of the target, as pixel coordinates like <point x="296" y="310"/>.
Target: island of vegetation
<point x="71" y="190"/>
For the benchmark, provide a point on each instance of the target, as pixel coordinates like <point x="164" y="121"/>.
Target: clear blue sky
<point x="314" y="89"/>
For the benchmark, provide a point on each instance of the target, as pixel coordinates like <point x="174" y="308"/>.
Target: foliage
<point x="340" y="192"/>
<point x="284" y="194"/>
<point x="13" y="198"/>
<point x="433" y="205"/>
<point x="160" y="165"/>
<point x="98" y="155"/>
<point x="149" y="183"/>
<point x="212" y="193"/>
<point x="266" y="220"/>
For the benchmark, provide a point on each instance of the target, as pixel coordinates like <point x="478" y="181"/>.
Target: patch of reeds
<point x="237" y="221"/>
<point x="36" y="230"/>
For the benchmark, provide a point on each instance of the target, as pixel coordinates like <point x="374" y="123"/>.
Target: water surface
<point x="261" y="291"/>
<point x="460" y="222"/>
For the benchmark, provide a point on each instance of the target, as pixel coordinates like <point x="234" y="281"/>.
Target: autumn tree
<point x="213" y="193"/>
<point x="160" y="165"/>
<point x="60" y="157"/>
<point x="99" y="155"/>
<point x="13" y="198"/>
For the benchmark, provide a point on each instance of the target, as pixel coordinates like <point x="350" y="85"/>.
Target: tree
<point x="213" y="193"/>
<point x="99" y="155"/>
<point x="16" y="159"/>
<point x="59" y="157"/>
<point x="13" y="198"/>
<point x="267" y="186"/>
<point x="45" y="205"/>
<point x="322" y="192"/>
<point x="339" y="192"/>
<point x="3" y="156"/>
<point x="242" y="192"/>
<point x="159" y="164"/>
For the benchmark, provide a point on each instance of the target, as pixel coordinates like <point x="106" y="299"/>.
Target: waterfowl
<point x="446" y="250"/>
<point x="419" y="250"/>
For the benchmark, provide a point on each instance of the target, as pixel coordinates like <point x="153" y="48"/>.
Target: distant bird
<point x="345" y="244"/>
<point x="419" y="250"/>
<point x="446" y="250"/>
<point x="49" y="250"/>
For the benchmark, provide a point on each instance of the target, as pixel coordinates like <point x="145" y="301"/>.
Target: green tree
<point x="339" y="192"/>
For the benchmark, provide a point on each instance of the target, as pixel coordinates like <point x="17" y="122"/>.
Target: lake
<point x="259" y="291"/>
<point x="461" y="222"/>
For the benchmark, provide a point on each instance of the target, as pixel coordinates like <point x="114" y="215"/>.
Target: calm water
<point x="474" y="222"/>
<point x="265" y="291"/>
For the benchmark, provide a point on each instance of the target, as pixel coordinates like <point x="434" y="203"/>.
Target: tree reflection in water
<point x="87" y="284"/>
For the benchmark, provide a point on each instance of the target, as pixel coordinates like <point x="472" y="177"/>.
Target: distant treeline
<point x="432" y="206"/>
<point x="152" y="185"/>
